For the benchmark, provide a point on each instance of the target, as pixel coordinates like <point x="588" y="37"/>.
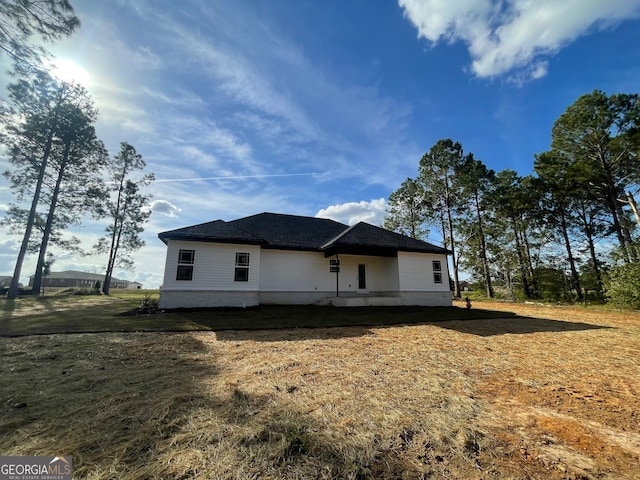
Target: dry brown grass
<point x="553" y="395"/>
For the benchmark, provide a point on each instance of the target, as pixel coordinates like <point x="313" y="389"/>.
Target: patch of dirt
<point x="572" y="411"/>
<point x="565" y="430"/>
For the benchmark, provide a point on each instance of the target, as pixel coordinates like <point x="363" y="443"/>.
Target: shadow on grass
<point x="482" y="327"/>
<point x="153" y="406"/>
<point x="279" y="321"/>
<point x="113" y="402"/>
<point x="516" y="325"/>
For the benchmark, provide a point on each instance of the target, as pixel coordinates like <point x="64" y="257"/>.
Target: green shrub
<point x="148" y="305"/>
<point x="622" y="286"/>
<point x="553" y="285"/>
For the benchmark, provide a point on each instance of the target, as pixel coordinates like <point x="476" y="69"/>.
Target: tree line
<point x="61" y="172"/>
<point x="567" y="231"/>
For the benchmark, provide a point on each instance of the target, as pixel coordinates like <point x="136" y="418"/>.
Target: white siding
<point x="391" y="274"/>
<point x="292" y="271"/>
<point x="416" y="272"/>
<point x="213" y="268"/>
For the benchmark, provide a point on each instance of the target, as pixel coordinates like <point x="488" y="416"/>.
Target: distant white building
<point x="73" y="278"/>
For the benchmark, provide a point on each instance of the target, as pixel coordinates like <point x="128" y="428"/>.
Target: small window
<point x="186" y="259"/>
<point x="242" y="267"/>
<point x="437" y="271"/>
<point x="242" y="259"/>
<point x="242" y="275"/>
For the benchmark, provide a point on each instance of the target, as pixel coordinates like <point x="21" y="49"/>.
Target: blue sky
<point x="324" y="108"/>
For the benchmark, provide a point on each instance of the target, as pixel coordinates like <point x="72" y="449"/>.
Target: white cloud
<point x="163" y="207"/>
<point x="209" y="145"/>
<point x="145" y="59"/>
<point x="181" y="97"/>
<point x="198" y="158"/>
<point x="510" y="35"/>
<point x="372" y="212"/>
<point x="236" y="72"/>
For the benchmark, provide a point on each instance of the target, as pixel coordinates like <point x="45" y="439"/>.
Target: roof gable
<point x="365" y="235"/>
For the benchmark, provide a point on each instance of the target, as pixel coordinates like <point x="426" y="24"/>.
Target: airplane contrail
<point x="237" y="177"/>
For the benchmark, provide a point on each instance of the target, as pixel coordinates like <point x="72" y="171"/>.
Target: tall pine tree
<point x="126" y="210"/>
<point x="438" y="176"/>
<point x="32" y="126"/>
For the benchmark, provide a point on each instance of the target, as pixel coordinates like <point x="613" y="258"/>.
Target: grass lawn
<point x="500" y="391"/>
<point x="93" y="314"/>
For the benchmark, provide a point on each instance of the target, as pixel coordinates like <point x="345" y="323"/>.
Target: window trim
<point x="188" y="260"/>
<point x="242" y="259"/>
<point x="241" y="274"/>
<point x="184" y="270"/>
<point x="241" y="271"/>
<point x="436" y="265"/>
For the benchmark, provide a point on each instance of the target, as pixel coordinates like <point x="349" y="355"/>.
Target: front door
<point x="362" y="277"/>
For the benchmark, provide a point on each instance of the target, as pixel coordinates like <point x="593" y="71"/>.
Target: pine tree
<point x="77" y="163"/>
<point x="476" y="180"/>
<point x="408" y="210"/>
<point x="598" y="135"/>
<point x="437" y="176"/>
<point x="126" y="211"/>
<point x="21" y="20"/>
<point x="31" y="127"/>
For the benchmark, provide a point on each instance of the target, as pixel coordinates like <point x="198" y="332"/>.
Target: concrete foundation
<point x="205" y="299"/>
<point x="170" y="299"/>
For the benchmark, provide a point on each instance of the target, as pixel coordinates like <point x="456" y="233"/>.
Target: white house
<point x="286" y="259"/>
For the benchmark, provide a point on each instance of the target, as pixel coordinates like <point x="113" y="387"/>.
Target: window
<point x="185" y="264"/>
<point x="437" y="271"/>
<point x="242" y="267"/>
<point x="186" y="256"/>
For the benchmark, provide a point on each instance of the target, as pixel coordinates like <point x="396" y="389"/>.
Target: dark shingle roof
<point x="273" y="230"/>
<point x="369" y="236"/>
<point x="216" y="231"/>
<point x="290" y="231"/>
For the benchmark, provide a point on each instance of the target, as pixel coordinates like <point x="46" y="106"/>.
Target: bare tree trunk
<point x="115" y="235"/>
<point x="37" y="278"/>
<point x="634" y="207"/>
<point x="584" y="217"/>
<point x="533" y="285"/>
<point x="572" y="263"/>
<point x="626" y="233"/>
<point x="483" y="251"/>
<point x="521" y="262"/>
